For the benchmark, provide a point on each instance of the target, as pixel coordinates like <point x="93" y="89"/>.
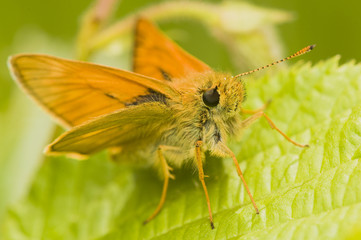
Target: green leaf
<point x="312" y="193"/>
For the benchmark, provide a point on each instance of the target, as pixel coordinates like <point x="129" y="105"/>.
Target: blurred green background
<point x="332" y="25"/>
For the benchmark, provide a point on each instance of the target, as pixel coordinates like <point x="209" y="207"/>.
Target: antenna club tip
<point x="300" y="52"/>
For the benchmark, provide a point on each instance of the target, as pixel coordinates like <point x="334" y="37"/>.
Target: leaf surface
<point x="312" y="193"/>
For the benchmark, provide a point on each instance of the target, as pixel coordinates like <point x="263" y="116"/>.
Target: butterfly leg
<point x="260" y="114"/>
<point x="248" y="111"/>
<point x="201" y="178"/>
<point x="166" y="172"/>
<point x="240" y="174"/>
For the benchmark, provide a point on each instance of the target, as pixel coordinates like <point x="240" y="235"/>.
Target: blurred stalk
<point x="93" y="21"/>
<point x="235" y="24"/>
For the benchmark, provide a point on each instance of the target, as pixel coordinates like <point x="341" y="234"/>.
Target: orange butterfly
<point x="172" y="109"/>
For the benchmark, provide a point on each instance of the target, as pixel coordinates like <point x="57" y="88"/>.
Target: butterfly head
<point x="222" y="94"/>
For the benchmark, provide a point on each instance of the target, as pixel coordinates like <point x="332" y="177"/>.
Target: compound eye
<point x="211" y="97"/>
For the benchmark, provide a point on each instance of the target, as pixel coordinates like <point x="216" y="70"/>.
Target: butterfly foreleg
<point x="166" y="173"/>
<point x="247" y="122"/>
<point x="249" y="111"/>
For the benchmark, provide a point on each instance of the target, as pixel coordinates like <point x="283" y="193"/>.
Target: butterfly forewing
<point x="157" y="56"/>
<point x="75" y="92"/>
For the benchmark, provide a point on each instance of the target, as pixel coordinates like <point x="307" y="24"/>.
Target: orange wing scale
<point x="157" y="56"/>
<point x="75" y="92"/>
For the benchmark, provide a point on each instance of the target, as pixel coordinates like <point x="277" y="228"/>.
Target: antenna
<point x="299" y="53"/>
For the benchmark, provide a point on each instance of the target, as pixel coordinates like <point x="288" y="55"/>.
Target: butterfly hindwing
<point x="142" y="124"/>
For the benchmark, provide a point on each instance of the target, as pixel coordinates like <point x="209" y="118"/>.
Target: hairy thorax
<point x="194" y="120"/>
